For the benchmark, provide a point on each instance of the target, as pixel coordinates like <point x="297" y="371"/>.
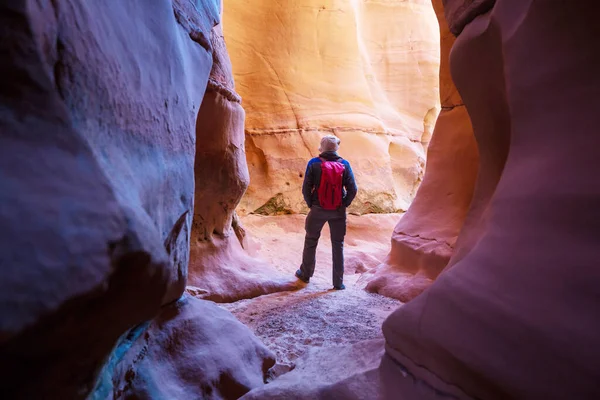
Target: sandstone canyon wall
<point x="366" y="71"/>
<point x="97" y="149"/>
<point x="220" y="269"/>
<point x="425" y="237"/>
<point x="97" y="169"/>
<point x="514" y="313"/>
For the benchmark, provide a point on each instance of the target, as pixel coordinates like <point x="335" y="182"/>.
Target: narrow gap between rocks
<point x="291" y="323"/>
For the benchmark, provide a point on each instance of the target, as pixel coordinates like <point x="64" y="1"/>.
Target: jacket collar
<point x="330" y="155"/>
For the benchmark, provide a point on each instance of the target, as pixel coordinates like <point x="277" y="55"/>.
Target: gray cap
<point x="329" y="143"/>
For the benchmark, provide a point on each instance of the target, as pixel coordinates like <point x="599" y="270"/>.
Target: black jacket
<point x="312" y="180"/>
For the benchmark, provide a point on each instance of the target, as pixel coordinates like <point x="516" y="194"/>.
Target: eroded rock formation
<point x="96" y="160"/>
<point x="216" y="356"/>
<point x="513" y="315"/>
<point x="320" y="367"/>
<point x="97" y="146"/>
<point x="424" y="239"/>
<point x="366" y="71"/>
<point x="220" y="269"/>
<point x="523" y="282"/>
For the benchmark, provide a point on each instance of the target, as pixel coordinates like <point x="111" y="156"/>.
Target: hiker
<point x="328" y="188"/>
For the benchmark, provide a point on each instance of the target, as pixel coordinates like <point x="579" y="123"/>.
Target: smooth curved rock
<point x="366" y="71"/>
<point x="514" y="314"/>
<point x="219" y="267"/>
<point x="96" y="178"/>
<point x="192" y="349"/>
<point x="224" y="272"/>
<point x="425" y="237"/>
<point x="220" y="169"/>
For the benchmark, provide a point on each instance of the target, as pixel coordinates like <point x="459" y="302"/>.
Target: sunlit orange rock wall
<point x="514" y="314"/>
<point x="366" y="71"/>
<point x="424" y="239"/>
<point x="219" y="268"/>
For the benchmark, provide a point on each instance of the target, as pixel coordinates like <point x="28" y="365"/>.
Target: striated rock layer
<point x="366" y="71"/>
<point x="514" y="314"/>
<point x="424" y="239"/>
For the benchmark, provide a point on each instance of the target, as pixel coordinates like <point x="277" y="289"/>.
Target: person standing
<point x="328" y="189"/>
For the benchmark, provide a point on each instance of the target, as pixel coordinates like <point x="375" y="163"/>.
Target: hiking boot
<point x="301" y="277"/>
<point x="341" y="287"/>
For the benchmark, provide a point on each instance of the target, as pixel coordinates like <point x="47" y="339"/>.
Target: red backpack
<point x="330" y="188"/>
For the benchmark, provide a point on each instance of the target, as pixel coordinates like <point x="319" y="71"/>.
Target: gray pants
<point x="315" y="220"/>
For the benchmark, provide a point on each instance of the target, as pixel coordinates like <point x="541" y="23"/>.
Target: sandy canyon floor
<point x="316" y="316"/>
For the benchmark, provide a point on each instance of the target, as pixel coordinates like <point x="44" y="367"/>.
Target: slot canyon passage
<point x="151" y="158"/>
